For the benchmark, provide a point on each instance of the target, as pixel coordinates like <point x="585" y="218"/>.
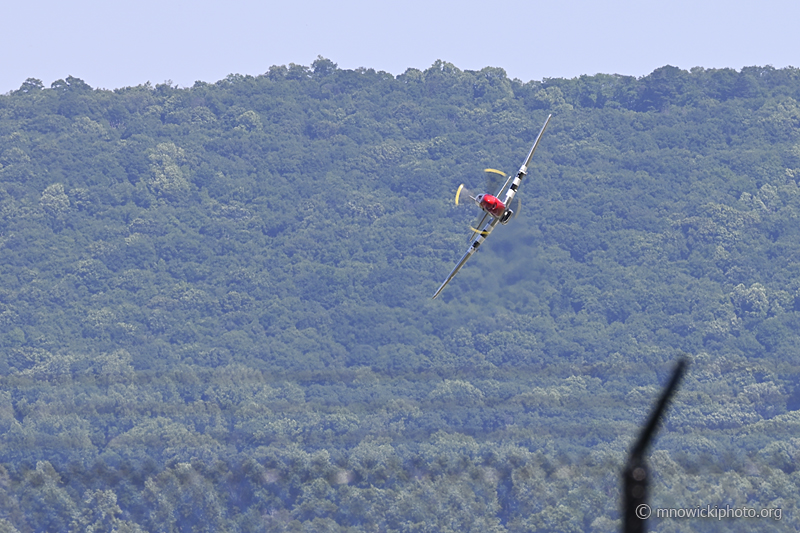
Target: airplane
<point x="494" y="210"/>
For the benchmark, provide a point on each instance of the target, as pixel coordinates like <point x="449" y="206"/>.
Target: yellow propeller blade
<point x="479" y="231"/>
<point x="458" y="192"/>
<point x="495" y="171"/>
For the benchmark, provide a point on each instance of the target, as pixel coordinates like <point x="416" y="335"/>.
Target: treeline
<point x="215" y="301"/>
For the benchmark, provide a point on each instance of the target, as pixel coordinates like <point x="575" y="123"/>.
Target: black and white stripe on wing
<point x="473" y="247"/>
<point x="512" y="190"/>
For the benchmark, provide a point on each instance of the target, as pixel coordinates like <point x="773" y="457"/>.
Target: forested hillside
<point x="215" y="307"/>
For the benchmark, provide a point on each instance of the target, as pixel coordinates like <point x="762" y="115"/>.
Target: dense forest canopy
<point x="216" y="315"/>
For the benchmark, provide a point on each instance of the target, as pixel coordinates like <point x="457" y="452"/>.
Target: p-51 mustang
<point x="494" y="209"/>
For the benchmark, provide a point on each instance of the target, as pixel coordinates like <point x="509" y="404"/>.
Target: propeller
<point x="463" y="193"/>
<point x="495" y="185"/>
<point x="463" y="197"/>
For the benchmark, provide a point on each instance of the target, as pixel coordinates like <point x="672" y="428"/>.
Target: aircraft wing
<point x="512" y="189"/>
<point x="480" y="236"/>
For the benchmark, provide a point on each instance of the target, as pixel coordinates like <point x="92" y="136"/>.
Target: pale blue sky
<point x="111" y="43"/>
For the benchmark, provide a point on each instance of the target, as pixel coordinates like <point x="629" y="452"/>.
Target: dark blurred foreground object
<point x="636" y="475"/>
